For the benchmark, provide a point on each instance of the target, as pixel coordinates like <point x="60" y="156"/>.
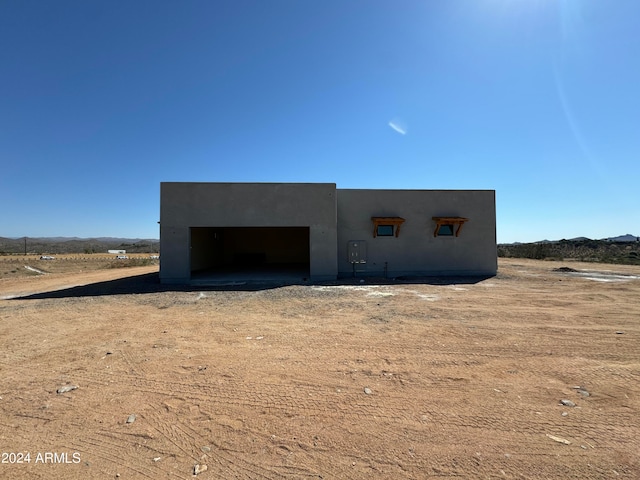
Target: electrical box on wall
<point x="357" y="251"/>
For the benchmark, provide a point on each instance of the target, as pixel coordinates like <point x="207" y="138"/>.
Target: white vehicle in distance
<point x="122" y="257"/>
<point x="154" y="257"/>
<point x="47" y="257"/>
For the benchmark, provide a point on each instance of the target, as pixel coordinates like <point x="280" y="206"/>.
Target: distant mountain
<point x="623" y="238"/>
<point x="38" y="245"/>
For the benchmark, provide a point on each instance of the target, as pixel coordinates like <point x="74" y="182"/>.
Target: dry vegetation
<point x="63" y="246"/>
<point x="441" y="379"/>
<point x="12" y="266"/>
<point x="599" y="251"/>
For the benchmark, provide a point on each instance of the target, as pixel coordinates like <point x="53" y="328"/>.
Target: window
<point x="446" y="226"/>
<point x="384" y="231"/>
<point x="445" y="230"/>
<point x="386" y="226"/>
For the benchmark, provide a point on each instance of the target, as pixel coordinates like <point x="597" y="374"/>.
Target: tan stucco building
<point x="226" y="231"/>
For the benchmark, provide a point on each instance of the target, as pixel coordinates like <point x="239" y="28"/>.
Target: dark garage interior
<point x="249" y="253"/>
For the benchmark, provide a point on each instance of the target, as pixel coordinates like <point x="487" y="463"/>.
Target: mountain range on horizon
<point x="620" y="238"/>
<point x="624" y="238"/>
<point x="69" y="239"/>
<point x="56" y="245"/>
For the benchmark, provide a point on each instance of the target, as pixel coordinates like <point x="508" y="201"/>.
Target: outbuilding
<point x="212" y="232"/>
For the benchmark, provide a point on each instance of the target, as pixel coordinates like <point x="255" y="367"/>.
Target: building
<point x="258" y="231"/>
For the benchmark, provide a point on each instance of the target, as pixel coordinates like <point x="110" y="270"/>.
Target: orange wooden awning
<point x="459" y="221"/>
<point x="395" y="221"/>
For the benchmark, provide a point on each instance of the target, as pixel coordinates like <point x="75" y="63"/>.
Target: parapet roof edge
<point x="248" y="183"/>
<point x="337" y="188"/>
<point x="417" y="189"/>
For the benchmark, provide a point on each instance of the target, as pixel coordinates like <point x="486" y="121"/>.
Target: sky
<point x="538" y="100"/>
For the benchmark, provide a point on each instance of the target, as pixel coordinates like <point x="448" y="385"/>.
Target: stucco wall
<point x="334" y="217"/>
<point x="416" y="250"/>
<point x="186" y="205"/>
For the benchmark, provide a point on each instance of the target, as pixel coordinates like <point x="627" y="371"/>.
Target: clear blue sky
<point x="100" y="101"/>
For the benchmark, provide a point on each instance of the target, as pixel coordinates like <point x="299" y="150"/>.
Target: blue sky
<point x="100" y="101"/>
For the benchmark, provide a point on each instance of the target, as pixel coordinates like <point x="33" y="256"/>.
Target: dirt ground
<point x="449" y="378"/>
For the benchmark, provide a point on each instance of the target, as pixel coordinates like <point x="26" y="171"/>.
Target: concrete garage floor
<point x="280" y="273"/>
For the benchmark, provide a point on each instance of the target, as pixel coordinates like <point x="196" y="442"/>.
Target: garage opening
<point x="249" y="253"/>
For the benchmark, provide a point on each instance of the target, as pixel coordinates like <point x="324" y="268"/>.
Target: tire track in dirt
<point x="265" y="397"/>
<point x="464" y="426"/>
<point x="116" y="451"/>
<point x="175" y="433"/>
<point x="354" y="411"/>
<point x="182" y="438"/>
<point x="349" y="407"/>
<point x="289" y="399"/>
<point x="135" y="368"/>
<point x="190" y="442"/>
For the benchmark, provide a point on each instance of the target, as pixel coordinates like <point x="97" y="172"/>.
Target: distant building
<point x="315" y="231"/>
<point x="117" y="252"/>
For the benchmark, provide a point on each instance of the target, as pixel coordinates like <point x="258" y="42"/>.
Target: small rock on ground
<point x="368" y="391"/>
<point x="199" y="469"/>
<point x="131" y="418"/>
<point x="559" y="439"/>
<point x="567" y="403"/>
<point x="66" y="388"/>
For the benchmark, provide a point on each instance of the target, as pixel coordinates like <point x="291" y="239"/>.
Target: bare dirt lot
<point x="449" y="378"/>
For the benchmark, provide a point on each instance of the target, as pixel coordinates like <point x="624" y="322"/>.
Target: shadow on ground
<point x="150" y="283"/>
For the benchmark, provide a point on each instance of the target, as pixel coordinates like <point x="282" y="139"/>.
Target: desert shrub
<point x="132" y="262"/>
<point x="583" y="250"/>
